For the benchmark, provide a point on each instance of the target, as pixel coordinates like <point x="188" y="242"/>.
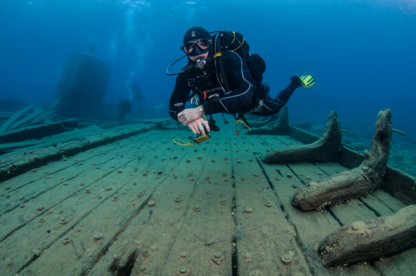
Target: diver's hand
<point x="296" y="81"/>
<point x="190" y="115"/>
<point x="197" y="126"/>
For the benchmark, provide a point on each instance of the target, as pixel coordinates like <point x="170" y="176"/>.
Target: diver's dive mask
<point x="196" y="47"/>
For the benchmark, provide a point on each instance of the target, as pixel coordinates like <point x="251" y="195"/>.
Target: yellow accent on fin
<point x="307" y="81"/>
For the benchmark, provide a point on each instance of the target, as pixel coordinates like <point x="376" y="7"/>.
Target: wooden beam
<point x="326" y="149"/>
<point x="13" y="119"/>
<point x="370" y="239"/>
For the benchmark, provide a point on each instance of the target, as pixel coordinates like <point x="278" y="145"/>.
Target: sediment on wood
<point x="281" y="125"/>
<point x="326" y="149"/>
<point x="370" y="239"/>
<point x="356" y="182"/>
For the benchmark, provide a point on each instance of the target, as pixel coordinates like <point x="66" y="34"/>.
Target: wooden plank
<point x="311" y="227"/>
<point x="155" y="228"/>
<point x="56" y="190"/>
<point x="191" y="238"/>
<point x="37" y="112"/>
<point x="21" y="180"/>
<point x="44" y="116"/>
<point x="263" y="236"/>
<point x="13" y="165"/>
<point x="393" y="203"/>
<point x="210" y="230"/>
<point x="7" y="147"/>
<point x="37" y="131"/>
<point x="51" y="140"/>
<point x="372" y="203"/>
<point x="88" y="211"/>
<point x="355" y="210"/>
<point x="59" y="172"/>
<point x="306" y="172"/>
<point x="167" y="220"/>
<point x="6" y="125"/>
<point x="345" y="213"/>
<point x="302" y="135"/>
<point x="331" y="168"/>
<point x="125" y="221"/>
<point x="351" y="211"/>
<point x="111" y="221"/>
<point x="398" y="265"/>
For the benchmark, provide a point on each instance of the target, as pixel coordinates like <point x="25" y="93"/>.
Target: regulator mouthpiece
<point x="200" y="63"/>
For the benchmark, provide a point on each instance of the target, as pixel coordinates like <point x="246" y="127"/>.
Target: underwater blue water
<point x="361" y="53"/>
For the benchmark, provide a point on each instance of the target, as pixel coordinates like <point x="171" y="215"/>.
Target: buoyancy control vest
<point x="234" y="42"/>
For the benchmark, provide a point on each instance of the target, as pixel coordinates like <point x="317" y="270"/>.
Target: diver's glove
<point x="307" y="81"/>
<point x="296" y="82"/>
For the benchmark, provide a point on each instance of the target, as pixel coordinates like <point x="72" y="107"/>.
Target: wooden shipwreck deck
<point x="131" y="202"/>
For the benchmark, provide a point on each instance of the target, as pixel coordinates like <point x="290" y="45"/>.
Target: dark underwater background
<point x="361" y="53"/>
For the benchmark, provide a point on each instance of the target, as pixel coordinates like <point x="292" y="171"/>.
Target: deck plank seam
<point x="360" y="198"/>
<point x="134" y="255"/>
<point x="63" y="156"/>
<point x="377" y="270"/>
<point x="74" y="225"/>
<point x="322" y="170"/>
<point x="105" y="249"/>
<point x="380" y="200"/>
<point x="37" y="195"/>
<point x="371" y="208"/>
<point x="188" y="210"/>
<point x="234" y="255"/>
<point x="70" y="152"/>
<point x="303" y="182"/>
<point x="86" y="169"/>
<point x="333" y="215"/>
<point x="127" y="223"/>
<point x="299" y="243"/>
<point x="54" y="172"/>
<point x="70" y="195"/>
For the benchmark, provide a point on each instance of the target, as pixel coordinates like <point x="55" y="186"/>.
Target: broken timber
<point x="22" y="162"/>
<point x="370" y="239"/>
<point x="355" y="182"/>
<point x="263" y="121"/>
<point x="38" y="131"/>
<point x="326" y="149"/>
<point x="13" y="119"/>
<point x="280" y="126"/>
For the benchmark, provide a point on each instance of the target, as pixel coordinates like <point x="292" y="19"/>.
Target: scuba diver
<point x="136" y="94"/>
<point x="223" y="78"/>
<point x="124" y="107"/>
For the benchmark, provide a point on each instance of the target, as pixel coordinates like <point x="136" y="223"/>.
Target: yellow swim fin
<point x="307" y="81"/>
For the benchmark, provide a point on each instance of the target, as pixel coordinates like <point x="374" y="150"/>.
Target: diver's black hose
<point x="182" y="71"/>
<point x="221" y="64"/>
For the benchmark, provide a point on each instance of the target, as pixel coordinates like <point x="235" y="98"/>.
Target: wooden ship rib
<point x="96" y="198"/>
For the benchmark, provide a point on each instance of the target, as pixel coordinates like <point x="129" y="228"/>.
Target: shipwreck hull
<point x="126" y="200"/>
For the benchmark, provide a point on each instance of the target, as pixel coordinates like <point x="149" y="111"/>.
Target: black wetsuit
<point x="272" y="106"/>
<point x="238" y="100"/>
